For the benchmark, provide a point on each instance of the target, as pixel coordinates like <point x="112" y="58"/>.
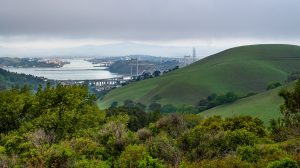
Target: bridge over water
<point x="96" y="82"/>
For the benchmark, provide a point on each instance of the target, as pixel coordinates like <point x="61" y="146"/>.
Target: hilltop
<point x="242" y="70"/>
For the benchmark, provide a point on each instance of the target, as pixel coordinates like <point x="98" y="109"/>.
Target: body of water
<point x="78" y="69"/>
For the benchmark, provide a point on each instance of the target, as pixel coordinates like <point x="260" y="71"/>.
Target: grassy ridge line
<point x="265" y="106"/>
<point x="242" y="70"/>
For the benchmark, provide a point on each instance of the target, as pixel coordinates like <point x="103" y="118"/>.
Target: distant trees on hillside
<point x="10" y="79"/>
<point x="292" y="77"/>
<point x="214" y="100"/>
<point x="273" y="85"/>
<point x="156" y="73"/>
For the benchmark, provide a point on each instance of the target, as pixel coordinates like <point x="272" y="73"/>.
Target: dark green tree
<point x="291" y="107"/>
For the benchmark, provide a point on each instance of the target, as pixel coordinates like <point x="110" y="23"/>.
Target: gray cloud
<point x="151" y="19"/>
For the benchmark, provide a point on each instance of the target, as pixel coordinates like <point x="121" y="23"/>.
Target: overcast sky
<point x="213" y="23"/>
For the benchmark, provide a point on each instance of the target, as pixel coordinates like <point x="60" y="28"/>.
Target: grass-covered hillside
<point x="241" y="70"/>
<point x="265" y="106"/>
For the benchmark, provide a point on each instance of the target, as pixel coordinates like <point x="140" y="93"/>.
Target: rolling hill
<point x="241" y="70"/>
<point x="265" y="106"/>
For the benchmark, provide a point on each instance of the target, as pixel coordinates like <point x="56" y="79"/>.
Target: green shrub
<point x="236" y="138"/>
<point x="270" y="151"/>
<point x="164" y="147"/>
<point x="59" y="156"/>
<point x="132" y="155"/>
<point x="248" y="153"/>
<point x="273" y="85"/>
<point x="224" y="162"/>
<point x="2" y="149"/>
<point x="284" y="163"/>
<point x="85" y="163"/>
<point x="195" y="143"/>
<point x="144" y="134"/>
<point x="248" y="123"/>
<point x="86" y="147"/>
<point x="149" y="162"/>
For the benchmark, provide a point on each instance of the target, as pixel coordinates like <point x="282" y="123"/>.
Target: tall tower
<point x="194" y="54"/>
<point x="187" y="60"/>
<point x="137" y="67"/>
<point x="134" y="61"/>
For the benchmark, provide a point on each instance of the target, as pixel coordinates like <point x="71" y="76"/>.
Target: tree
<point x="137" y="117"/>
<point x="132" y="156"/>
<point x="168" y="108"/>
<point x="248" y="153"/>
<point x="149" y="162"/>
<point x="248" y="123"/>
<point x="230" y="97"/>
<point x="63" y="110"/>
<point x="141" y="106"/>
<point x="292" y="77"/>
<point x="15" y="105"/>
<point x="129" y="103"/>
<point x="211" y="97"/>
<point x="114" y="104"/>
<point x="273" y="85"/>
<point x="164" y="147"/>
<point x="172" y="124"/>
<point x="156" y="73"/>
<point x="291" y="107"/>
<point x="155" y="107"/>
<point x="215" y="100"/>
<point x="284" y="163"/>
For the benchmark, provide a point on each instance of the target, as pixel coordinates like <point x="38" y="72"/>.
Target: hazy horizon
<point x="161" y="28"/>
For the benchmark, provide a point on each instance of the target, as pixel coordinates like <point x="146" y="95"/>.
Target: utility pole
<point x="131" y="68"/>
<point x="187" y="60"/>
<point x="134" y="61"/>
<point x="137" y="67"/>
<point x="194" y="54"/>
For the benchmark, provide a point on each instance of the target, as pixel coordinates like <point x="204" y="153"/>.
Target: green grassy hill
<point x="242" y="70"/>
<point x="265" y="106"/>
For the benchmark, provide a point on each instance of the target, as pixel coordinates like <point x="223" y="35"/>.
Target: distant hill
<point x="9" y="79"/>
<point x="241" y="70"/>
<point x="26" y="62"/>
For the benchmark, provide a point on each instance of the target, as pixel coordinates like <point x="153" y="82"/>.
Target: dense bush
<point x="248" y="153"/>
<point x="149" y="162"/>
<point x="284" y="163"/>
<point x="132" y="156"/>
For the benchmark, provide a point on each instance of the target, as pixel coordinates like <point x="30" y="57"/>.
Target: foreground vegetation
<point x="62" y="127"/>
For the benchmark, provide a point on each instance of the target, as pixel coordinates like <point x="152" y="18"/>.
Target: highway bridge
<point x="96" y="82"/>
